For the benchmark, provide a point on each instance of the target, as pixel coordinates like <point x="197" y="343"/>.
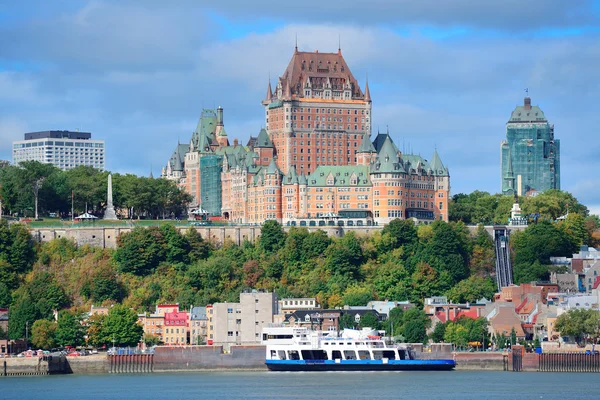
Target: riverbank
<point x="252" y="358"/>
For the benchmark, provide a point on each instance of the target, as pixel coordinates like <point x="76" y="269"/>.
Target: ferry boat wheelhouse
<point x="300" y="349"/>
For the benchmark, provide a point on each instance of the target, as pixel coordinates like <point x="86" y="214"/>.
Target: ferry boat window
<point x="294" y="355"/>
<point x="364" y="355"/>
<point x="314" y="355"/>
<point x="336" y="355"/>
<point x="389" y="354"/>
<point x="281" y="354"/>
<point x="350" y="354"/>
<point x="402" y="354"/>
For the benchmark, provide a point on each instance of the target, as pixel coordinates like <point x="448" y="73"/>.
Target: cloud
<point x="10" y="129"/>
<point x="510" y="15"/>
<point x="139" y="75"/>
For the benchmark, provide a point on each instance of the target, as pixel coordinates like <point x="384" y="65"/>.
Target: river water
<point x="307" y="385"/>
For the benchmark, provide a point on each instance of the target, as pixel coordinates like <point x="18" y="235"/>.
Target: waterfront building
<point x="241" y="323"/>
<point x="198" y="325"/>
<point x="63" y="149"/>
<point x="291" y="304"/>
<point x="530" y="155"/>
<point x="176" y="328"/>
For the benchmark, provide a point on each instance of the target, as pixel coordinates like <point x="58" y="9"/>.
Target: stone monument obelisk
<point x="109" y="213"/>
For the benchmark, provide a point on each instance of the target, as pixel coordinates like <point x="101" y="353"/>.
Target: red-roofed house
<point x="176" y="328"/>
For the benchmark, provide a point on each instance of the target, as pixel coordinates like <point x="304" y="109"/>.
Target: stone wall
<point x="18" y="366"/>
<point x="93" y="364"/>
<point x="197" y="358"/>
<point x="479" y="361"/>
<point x="107" y="237"/>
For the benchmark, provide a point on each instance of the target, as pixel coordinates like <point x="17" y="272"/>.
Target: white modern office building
<point x="64" y="149"/>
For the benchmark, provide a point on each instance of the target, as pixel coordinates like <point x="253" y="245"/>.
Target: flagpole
<point x="72" y="207"/>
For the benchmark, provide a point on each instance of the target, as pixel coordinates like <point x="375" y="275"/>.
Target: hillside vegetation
<point x="161" y="264"/>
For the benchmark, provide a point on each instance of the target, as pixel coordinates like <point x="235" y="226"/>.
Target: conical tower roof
<point x="437" y="166"/>
<point x="263" y="140"/>
<point x="366" y="146"/>
<point x="292" y="177"/>
<point x="269" y="92"/>
<point x="367" y="91"/>
<point x="273" y="169"/>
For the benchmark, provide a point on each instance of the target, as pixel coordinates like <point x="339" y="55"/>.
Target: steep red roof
<point x="471" y="313"/>
<point x="317" y="68"/>
<point x="441" y="316"/>
<point x="520" y="306"/>
<point x="596" y="283"/>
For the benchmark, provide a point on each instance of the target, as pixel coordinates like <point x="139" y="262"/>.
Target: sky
<point x="442" y="75"/>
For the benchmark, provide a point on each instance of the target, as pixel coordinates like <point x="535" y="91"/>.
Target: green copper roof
<point x="273" y="169"/>
<point x="302" y="180"/>
<point x="292" y="177"/>
<point x="341" y="176"/>
<point x="437" y="166"/>
<point x="263" y="140"/>
<point x="178" y="157"/>
<point x="203" y="144"/>
<point x="366" y="146"/>
<point x="387" y="158"/>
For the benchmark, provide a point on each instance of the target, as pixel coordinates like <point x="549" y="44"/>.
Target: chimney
<point x="220" y="116"/>
<point x="527" y="103"/>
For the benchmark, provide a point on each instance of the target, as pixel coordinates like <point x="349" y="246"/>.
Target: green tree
<point x="472" y="289"/>
<point x="415" y="324"/>
<point x="272" y="236"/>
<point x="199" y="248"/>
<point x="95" y="333"/>
<point x="140" y="251"/>
<point x="401" y="232"/>
<point x="439" y="331"/>
<point x="456" y="334"/>
<point x="43" y="334"/>
<point x="23" y="313"/>
<point x="513" y="337"/>
<point x="533" y="248"/>
<point x="344" y="258"/>
<point x="369" y="320"/>
<point x="552" y="204"/>
<point x="5" y="295"/>
<point x="121" y="326"/>
<point x="178" y="248"/>
<point x="22" y="249"/>
<point x="574" y="323"/>
<point x="356" y="295"/>
<point x="347" y="321"/>
<point x="574" y="226"/>
<point x="69" y="330"/>
<point x="152" y="340"/>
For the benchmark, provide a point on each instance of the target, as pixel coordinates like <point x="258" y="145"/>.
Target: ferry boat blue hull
<point x="360" y="365"/>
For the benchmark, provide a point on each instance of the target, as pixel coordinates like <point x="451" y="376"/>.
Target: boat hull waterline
<point x="362" y="365"/>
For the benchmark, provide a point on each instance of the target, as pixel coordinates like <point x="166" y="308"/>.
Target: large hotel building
<point x="314" y="163"/>
<point x="63" y="149"/>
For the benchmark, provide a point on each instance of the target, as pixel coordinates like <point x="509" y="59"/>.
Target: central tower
<point x="317" y="114"/>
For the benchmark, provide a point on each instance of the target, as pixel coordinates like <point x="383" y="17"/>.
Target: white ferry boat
<point x="300" y="349"/>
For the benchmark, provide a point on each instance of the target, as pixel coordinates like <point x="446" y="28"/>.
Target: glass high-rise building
<point x="63" y="149"/>
<point x="530" y="156"/>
